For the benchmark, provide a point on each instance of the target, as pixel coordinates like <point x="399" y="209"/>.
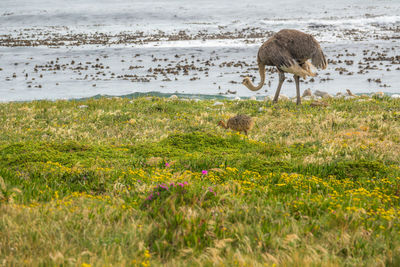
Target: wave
<point x="336" y="21"/>
<point x="200" y="43"/>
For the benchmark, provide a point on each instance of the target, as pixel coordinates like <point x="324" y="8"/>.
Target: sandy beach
<point x="55" y="52"/>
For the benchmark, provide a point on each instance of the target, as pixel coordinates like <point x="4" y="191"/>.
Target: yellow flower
<point x="147" y="254"/>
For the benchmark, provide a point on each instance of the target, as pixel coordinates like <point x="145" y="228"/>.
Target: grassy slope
<point x="309" y="186"/>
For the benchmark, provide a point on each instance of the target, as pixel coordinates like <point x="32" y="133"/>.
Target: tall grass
<point x="152" y="181"/>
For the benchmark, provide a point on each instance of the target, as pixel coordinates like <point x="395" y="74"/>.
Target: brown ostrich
<point x="288" y="51"/>
<point x="240" y="123"/>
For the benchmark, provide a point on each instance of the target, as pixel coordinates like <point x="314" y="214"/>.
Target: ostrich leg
<point x="278" y="90"/>
<point x="297" y="80"/>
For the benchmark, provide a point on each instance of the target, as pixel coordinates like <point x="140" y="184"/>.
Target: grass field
<point x="153" y="181"/>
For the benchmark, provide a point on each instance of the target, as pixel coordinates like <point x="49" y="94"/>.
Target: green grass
<point x="310" y="186"/>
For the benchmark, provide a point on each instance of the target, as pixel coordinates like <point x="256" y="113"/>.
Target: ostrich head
<point x="246" y="82"/>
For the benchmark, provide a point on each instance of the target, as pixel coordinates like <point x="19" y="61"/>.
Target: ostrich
<point x="240" y="123"/>
<point x="288" y="51"/>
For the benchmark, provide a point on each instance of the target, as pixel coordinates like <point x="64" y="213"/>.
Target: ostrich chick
<point x="240" y="123"/>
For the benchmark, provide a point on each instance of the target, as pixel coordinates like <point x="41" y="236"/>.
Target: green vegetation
<point x="154" y="181"/>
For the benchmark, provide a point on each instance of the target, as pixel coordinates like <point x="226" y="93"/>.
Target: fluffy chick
<point x="240" y="123"/>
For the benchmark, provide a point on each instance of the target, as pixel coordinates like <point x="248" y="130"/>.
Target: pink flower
<point x="204" y="172"/>
<point x="212" y="191"/>
<point x="150" y="197"/>
<point x="167" y="164"/>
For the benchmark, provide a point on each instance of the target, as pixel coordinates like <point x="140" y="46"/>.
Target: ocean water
<point x="73" y="49"/>
<point x="177" y="14"/>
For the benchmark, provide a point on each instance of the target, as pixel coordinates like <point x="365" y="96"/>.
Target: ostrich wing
<point x="282" y="58"/>
<point x="301" y="47"/>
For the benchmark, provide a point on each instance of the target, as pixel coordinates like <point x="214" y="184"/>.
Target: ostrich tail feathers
<point x="308" y="66"/>
<point x="319" y="60"/>
<point x="302" y="71"/>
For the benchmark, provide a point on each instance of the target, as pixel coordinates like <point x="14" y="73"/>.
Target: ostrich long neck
<point x="261" y="69"/>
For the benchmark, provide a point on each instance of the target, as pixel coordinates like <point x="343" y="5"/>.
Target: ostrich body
<point x="240" y="123"/>
<point x="289" y="51"/>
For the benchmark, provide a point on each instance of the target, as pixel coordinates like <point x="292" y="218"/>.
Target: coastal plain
<point x="154" y="181"/>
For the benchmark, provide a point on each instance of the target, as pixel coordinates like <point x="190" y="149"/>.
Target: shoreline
<point x="76" y="72"/>
<point x="200" y="97"/>
<point x="194" y="52"/>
